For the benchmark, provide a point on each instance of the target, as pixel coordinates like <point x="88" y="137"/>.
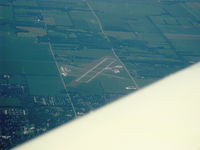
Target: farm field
<point x="61" y="59"/>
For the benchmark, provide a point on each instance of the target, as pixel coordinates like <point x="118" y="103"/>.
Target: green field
<point x="65" y="58"/>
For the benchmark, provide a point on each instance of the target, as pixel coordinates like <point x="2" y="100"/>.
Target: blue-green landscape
<point x="60" y="59"/>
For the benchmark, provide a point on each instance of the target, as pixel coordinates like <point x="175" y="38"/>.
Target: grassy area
<point x="42" y="85"/>
<point x="6" y="12"/>
<point x="6" y="102"/>
<point x="151" y="38"/>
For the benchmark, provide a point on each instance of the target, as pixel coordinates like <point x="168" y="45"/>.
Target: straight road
<point x="60" y="74"/>
<point x="106" y="37"/>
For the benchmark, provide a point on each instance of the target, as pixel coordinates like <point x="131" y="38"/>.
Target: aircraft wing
<point x="163" y="116"/>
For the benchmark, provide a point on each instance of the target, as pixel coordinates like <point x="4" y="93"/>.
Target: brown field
<point x="182" y="36"/>
<point x="194" y="4"/>
<point x="120" y="35"/>
<point x="32" y="31"/>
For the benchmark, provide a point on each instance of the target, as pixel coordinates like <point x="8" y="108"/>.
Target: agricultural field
<point x="60" y="59"/>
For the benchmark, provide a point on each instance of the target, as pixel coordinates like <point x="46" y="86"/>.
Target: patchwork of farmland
<point x="60" y="59"/>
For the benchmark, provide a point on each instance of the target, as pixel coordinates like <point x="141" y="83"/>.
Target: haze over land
<point x="60" y="59"/>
